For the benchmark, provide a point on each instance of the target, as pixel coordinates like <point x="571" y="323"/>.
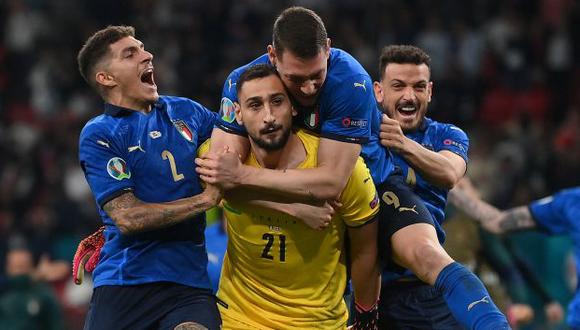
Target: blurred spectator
<point x="26" y="303"/>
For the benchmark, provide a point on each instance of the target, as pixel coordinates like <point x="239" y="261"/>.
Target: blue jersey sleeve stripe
<point x="107" y="198"/>
<point x="342" y="138"/>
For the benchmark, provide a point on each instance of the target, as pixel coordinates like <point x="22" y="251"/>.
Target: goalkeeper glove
<point x="87" y="255"/>
<point x="366" y="318"/>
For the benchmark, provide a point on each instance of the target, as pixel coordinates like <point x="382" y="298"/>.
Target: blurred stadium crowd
<point x="508" y="72"/>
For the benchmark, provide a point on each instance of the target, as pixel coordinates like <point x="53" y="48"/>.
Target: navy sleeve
<point x="347" y="110"/>
<point x="104" y="165"/>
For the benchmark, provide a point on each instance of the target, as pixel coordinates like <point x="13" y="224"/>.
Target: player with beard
<point x="278" y="273"/>
<point x="423" y="288"/>
<point x="333" y="98"/>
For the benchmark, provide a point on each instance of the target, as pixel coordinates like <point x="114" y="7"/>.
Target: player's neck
<point x="289" y="156"/>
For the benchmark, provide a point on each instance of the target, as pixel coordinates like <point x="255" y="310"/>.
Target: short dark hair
<point x="97" y="47"/>
<point x="299" y="30"/>
<point x="255" y="72"/>
<point x="402" y="54"/>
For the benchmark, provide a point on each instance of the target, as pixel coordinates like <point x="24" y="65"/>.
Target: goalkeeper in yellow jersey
<point x="278" y="273"/>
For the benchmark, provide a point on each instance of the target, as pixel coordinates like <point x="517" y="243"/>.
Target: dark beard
<point x="274" y="145"/>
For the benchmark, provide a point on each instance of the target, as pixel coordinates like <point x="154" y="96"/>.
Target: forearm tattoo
<point x="474" y="208"/>
<point x="516" y="219"/>
<point x="134" y="216"/>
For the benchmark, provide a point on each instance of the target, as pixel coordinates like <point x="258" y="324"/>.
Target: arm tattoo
<point x="121" y="202"/>
<point x="473" y="207"/>
<point x="516" y="219"/>
<point x="134" y="216"/>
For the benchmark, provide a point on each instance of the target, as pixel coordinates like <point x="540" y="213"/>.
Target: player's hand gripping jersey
<point x="436" y="137"/>
<point x="278" y="273"/>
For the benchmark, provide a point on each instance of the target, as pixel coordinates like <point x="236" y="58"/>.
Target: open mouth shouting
<point x="407" y="110"/>
<point x="147" y="77"/>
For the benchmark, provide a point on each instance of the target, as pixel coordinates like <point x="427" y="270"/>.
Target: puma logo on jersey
<point x="485" y="299"/>
<point x="361" y="85"/>
<point x="103" y="143"/>
<point x="135" y="148"/>
<point x="411" y="209"/>
<point x="230" y="84"/>
<point x="367" y="179"/>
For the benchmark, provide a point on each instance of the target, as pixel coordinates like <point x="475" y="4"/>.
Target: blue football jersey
<point x="560" y="215"/>
<point x="345" y="110"/>
<point x="436" y="137"/>
<point x="151" y="155"/>
<point x="217" y="243"/>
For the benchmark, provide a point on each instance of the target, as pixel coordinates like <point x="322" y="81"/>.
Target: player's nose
<point x="408" y="94"/>
<point x="147" y="56"/>
<point x="268" y="114"/>
<point x="309" y="88"/>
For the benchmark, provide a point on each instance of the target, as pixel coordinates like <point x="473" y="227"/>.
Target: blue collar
<point x="117" y="111"/>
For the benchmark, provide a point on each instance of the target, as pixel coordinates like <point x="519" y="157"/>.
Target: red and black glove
<point x="365" y="318"/>
<point x="87" y="255"/>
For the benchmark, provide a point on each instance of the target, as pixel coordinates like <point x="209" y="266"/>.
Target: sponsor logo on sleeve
<point x="449" y="142"/>
<point x="227" y="110"/>
<point x="117" y="169"/>
<point x="352" y="122"/>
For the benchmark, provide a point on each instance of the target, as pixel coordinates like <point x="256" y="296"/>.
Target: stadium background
<point x="505" y="71"/>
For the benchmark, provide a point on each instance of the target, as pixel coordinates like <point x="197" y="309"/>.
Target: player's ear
<point x="429" y="91"/>
<point x="272" y="54"/>
<point x="327" y="48"/>
<point x="294" y="112"/>
<point x="105" y="79"/>
<point x="378" y="91"/>
<point x="238" y="112"/>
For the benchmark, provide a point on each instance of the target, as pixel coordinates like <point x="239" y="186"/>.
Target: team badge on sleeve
<point x="227" y="110"/>
<point x="183" y="129"/>
<point x="117" y="169"/>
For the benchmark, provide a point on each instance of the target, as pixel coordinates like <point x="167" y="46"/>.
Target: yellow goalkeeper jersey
<point x="278" y="273"/>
